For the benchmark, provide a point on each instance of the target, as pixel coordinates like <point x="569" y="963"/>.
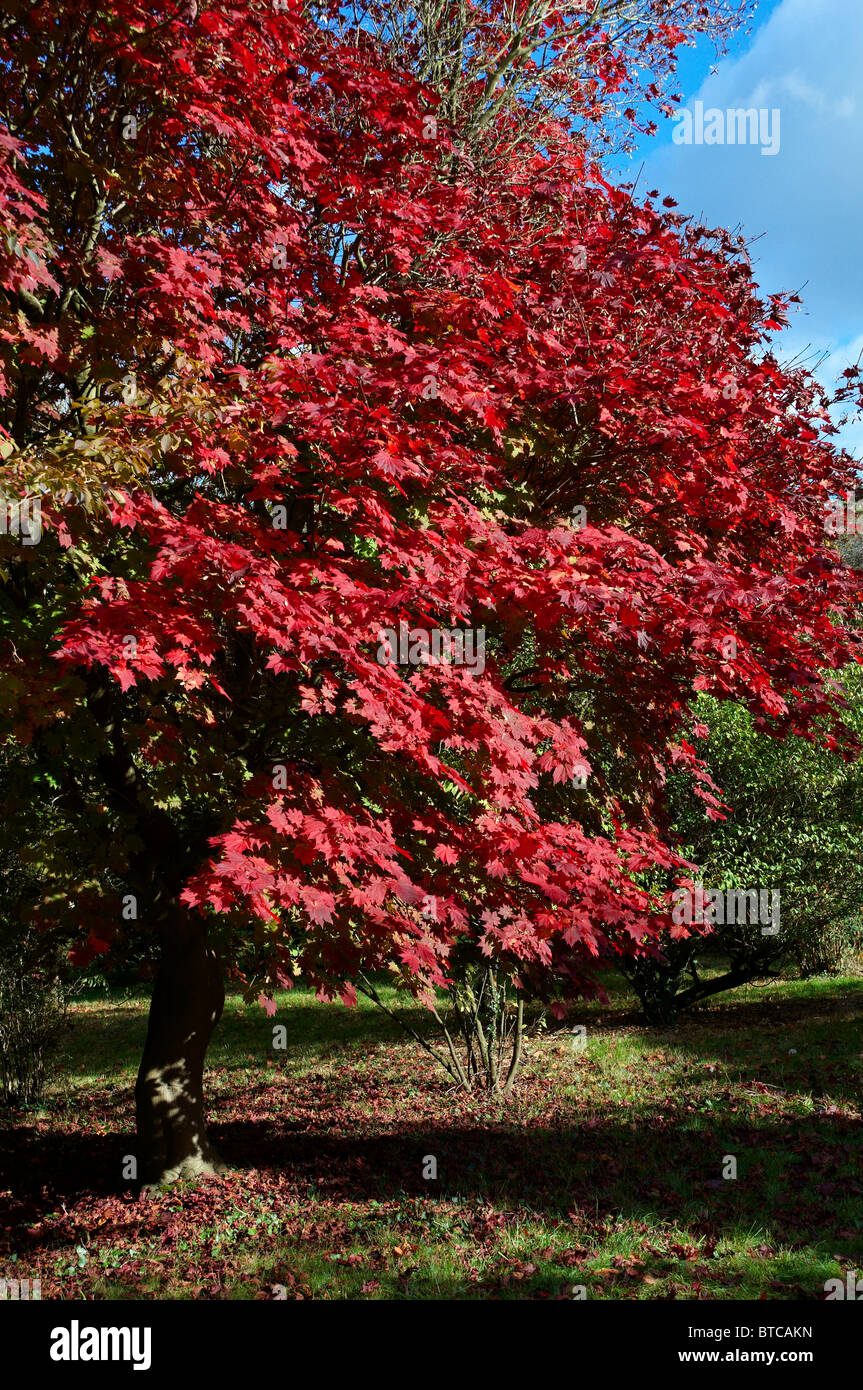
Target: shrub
<point x="795" y="825"/>
<point x="33" y="1000"/>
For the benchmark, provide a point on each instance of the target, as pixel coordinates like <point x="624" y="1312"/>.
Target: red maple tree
<point x="292" y="366"/>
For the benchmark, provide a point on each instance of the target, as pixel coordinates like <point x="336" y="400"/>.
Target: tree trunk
<point x="187" y="1003"/>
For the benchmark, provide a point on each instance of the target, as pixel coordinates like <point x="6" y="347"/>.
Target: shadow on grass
<point x="800" y="1181"/>
<point x="658" y="1162"/>
<point x="802" y="1046"/>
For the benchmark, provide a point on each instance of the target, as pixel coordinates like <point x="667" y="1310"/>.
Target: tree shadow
<point x="350" y="1136"/>
<point x="803" y="1047"/>
<point x="795" y="1179"/>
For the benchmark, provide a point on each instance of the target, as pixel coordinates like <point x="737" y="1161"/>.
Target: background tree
<point x="541" y="65"/>
<point x="794" y="825"/>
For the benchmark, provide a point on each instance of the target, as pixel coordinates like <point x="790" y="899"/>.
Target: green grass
<point x="605" y="1171"/>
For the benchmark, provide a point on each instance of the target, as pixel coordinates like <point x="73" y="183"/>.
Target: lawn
<point x="604" y="1172"/>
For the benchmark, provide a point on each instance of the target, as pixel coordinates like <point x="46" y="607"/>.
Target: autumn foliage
<point x="291" y="362"/>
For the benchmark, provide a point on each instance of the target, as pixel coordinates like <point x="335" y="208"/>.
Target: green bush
<point x="796" y="825"/>
<point x="33" y="1000"/>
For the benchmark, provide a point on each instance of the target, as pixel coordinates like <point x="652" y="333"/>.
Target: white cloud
<point x="770" y="91"/>
<point x="805" y="205"/>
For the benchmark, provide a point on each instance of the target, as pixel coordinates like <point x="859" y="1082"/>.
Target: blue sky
<point x="805" y="203"/>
